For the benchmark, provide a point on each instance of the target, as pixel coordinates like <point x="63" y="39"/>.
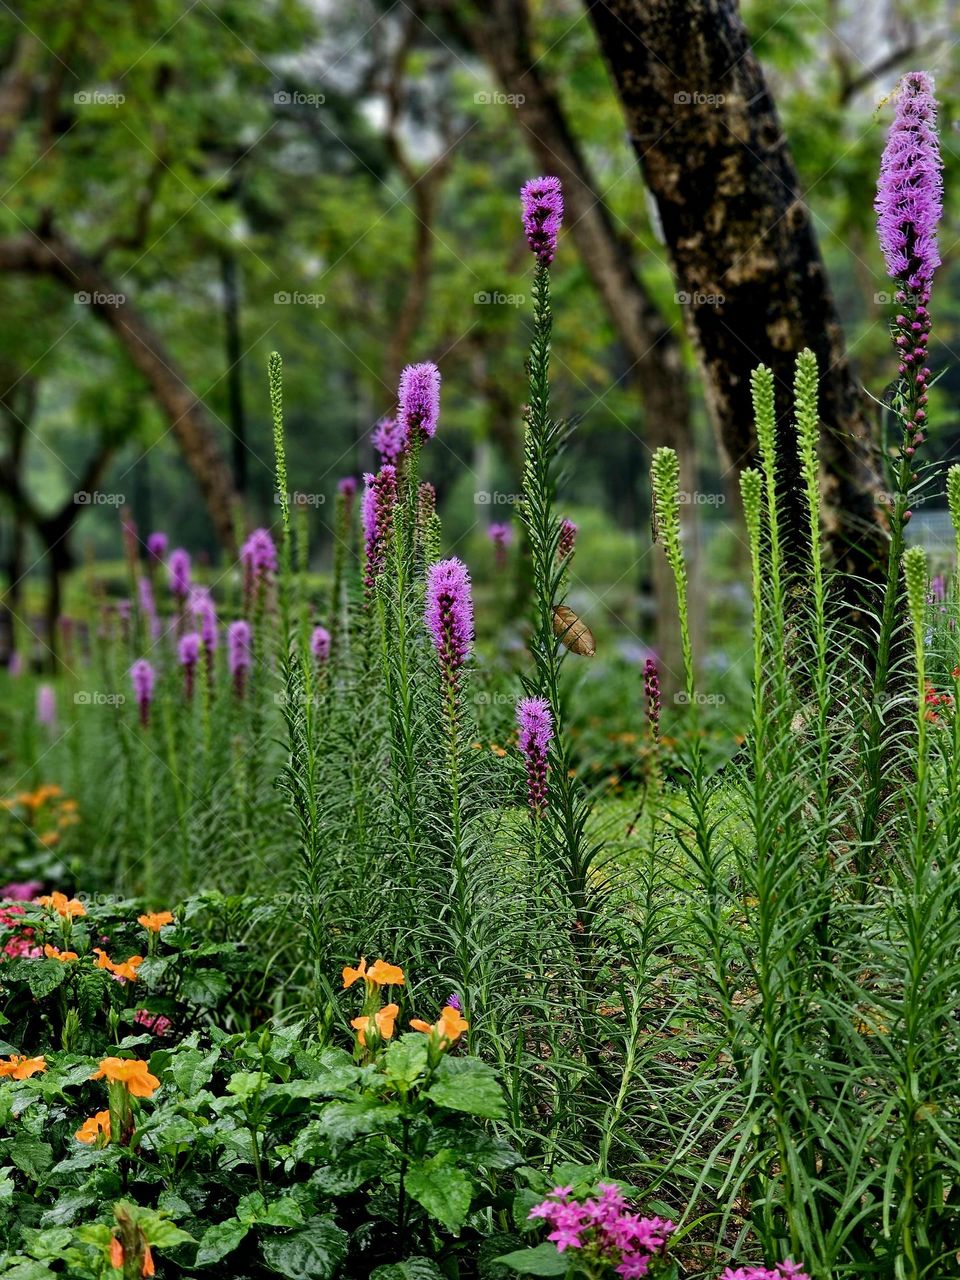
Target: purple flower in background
<point x="454" y="1002"/>
<point x="258" y="555"/>
<point x="188" y="652"/>
<point x="21" y="890"/>
<point x="501" y="535"/>
<point x="449" y="614"/>
<point x="389" y="440"/>
<point x="651" y="690"/>
<point x="782" y="1271"/>
<point x="142" y="678"/>
<point x="418" y="402"/>
<point x="178" y="567"/>
<point x="567" y="539"/>
<point x="535" y="722"/>
<point x="909" y="201"/>
<point x="240" y="653"/>
<point x="320" y="644"/>
<point x="157" y="544"/>
<point x="542" y="202"/>
<point x="148" y="606"/>
<point x="205" y="613"/>
<point x="347" y="488"/>
<point x="379" y="500"/>
<point x="15" y="664"/>
<point x="46" y="706"/>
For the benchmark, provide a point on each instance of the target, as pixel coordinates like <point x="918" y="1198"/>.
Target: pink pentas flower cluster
<point x="604" y="1228"/>
<point x="782" y="1271"/>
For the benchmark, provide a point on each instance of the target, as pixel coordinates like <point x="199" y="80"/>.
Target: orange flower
<point x="384" y="1019"/>
<point x="62" y="905"/>
<point x="384" y="974"/>
<point x="350" y="976"/>
<point x="155" y="920"/>
<point x="125" y="969"/>
<point x="449" y="1027"/>
<point x="116" y="1249"/>
<point x="54" y="953"/>
<point x="148" y="1269"/>
<point x="130" y="1072"/>
<point x="94" y="1128"/>
<point x="21" y="1068"/>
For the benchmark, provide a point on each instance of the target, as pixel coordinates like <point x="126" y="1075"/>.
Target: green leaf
<point x="406" y="1059"/>
<point x="41" y="976"/>
<point x="343" y="1121"/>
<point x="219" y="1240"/>
<point x="31" y="1156"/>
<point x="544" y="1260"/>
<point x="193" y="1069"/>
<point x="444" y="1190"/>
<point x="466" y="1084"/>
<point x="28" y="1270"/>
<point x="410" y="1269"/>
<point x="284" y="1212"/>
<point x="311" y="1254"/>
<point x="205" y="986"/>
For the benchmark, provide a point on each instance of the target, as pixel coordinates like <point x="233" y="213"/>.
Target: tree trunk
<point x="189" y="421"/>
<point x="743" y="248"/>
<point x="499" y="32"/>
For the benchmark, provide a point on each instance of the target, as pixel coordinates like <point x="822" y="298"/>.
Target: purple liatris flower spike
<point x="157" y="544"/>
<point x="46" y="706"/>
<point x="449" y="615"/>
<point x="909" y="201"/>
<point x="418" y="402"/>
<point x="205" y="613"/>
<point x="142" y="679"/>
<point x="258" y="555"/>
<point x="148" y="607"/>
<point x="178" y="567"/>
<point x="389" y="439"/>
<point x="542" y="201"/>
<point x="454" y="1002"/>
<point x="501" y="535"/>
<point x="651" y="690"/>
<point x="320" y="644"/>
<point x="535" y="722"/>
<point x="347" y="488"/>
<point x="188" y="652"/>
<point x="567" y="539"/>
<point x="239" y="652"/>
<point x="379" y="500"/>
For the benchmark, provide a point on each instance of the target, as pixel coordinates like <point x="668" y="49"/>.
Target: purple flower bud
<point x="157" y="544"/>
<point x="454" y="1002"/>
<point x="909" y="200"/>
<point x="46" y="706"/>
<point x="148" y="607"/>
<point x="258" y="555"/>
<point x="320" y="644"/>
<point x="567" y="539"/>
<point x="535" y="723"/>
<point x="501" y="535"/>
<point x="239" y="651"/>
<point x="142" y="678"/>
<point x="178" y="567"/>
<point x="205" y="613"/>
<point x="389" y="439"/>
<point x="188" y="651"/>
<point x="651" y="690"/>
<point x="542" y="203"/>
<point x="347" y="485"/>
<point x="449" y="614"/>
<point x="379" y="500"/>
<point x="418" y="402"/>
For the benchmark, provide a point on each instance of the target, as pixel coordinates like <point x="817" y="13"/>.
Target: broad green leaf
<point x="219" y="1240"/>
<point x="409" y="1269"/>
<point x="544" y="1260"/>
<point x="32" y="1156"/>
<point x="444" y="1190"/>
<point x="193" y="1069"/>
<point x="406" y="1059"/>
<point x="205" y="986"/>
<point x="284" y="1212"/>
<point x="466" y="1084"/>
<point x="314" y="1253"/>
<point x="343" y="1121"/>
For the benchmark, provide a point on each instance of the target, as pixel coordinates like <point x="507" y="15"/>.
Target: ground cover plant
<point x="324" y="957"/>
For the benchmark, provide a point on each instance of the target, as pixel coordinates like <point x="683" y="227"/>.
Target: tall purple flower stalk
<point x="205" y="613"/>
<point x="535" y="722"/>
<point x="501" y="535"/>
<point x="379" y="502"/>
<point x="389" y="439"/>
<point x="46" y="706"/>
<point x="347" y="488"/>
<point x="188" y="652"/>
<point x="178" y="567"/>
<point x="651" y="691"/>
<point x="320" y="644"/>
<point x="449" y="616"/>
<point x="239" y="653"/>
<point x="542" y="202"/>
<point x="258" y="556"/>
<point x="418" y="408"/>
<point x="567" y="540"/>
<point x="142" y="678"/>
<point x="148" y="606"/>
<point x="157" y="544"/>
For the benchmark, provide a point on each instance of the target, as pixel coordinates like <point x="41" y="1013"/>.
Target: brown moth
<point x="576" y="635"/>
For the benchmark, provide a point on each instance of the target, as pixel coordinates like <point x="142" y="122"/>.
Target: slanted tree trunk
<point x="189" y="421"/>
<point x="499" y="31"/>
<point x="743" y="247"/>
